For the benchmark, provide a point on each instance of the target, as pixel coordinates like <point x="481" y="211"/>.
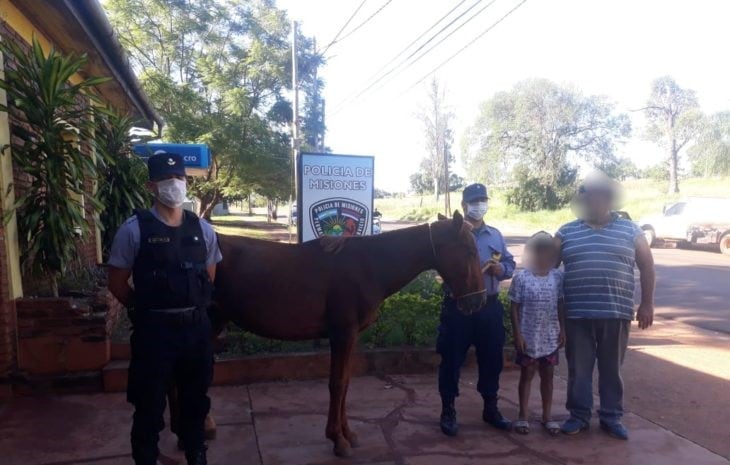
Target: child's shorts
<point x="524" y="360"/>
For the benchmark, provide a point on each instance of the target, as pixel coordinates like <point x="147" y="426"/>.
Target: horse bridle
<point x="435" y="258"/>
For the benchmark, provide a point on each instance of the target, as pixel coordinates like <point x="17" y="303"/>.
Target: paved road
<point x="693" y="286"/>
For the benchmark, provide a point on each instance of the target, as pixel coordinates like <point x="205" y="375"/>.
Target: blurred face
<point x="595" y="204"/>
<point x="543" y="258"/>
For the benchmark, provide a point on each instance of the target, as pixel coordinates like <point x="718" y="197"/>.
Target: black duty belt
<point x="173" y="316"/>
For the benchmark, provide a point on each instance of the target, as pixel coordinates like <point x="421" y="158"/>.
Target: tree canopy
<point x="710" y="154"/>
<point x="536" y="133"/>
<point x="436" y="118"/>
<point x="219" y="73"/>
<point x="674" y="119"/>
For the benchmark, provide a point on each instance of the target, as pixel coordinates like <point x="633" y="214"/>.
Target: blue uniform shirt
<point x="489" y="242"/>
<point x="126" y="243"/>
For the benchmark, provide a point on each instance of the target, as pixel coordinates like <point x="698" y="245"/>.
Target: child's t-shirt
<point x="538" y="298"/>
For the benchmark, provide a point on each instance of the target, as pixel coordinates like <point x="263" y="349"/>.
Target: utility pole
<point x="447" y="199"/>
<point x="294" y="129"/>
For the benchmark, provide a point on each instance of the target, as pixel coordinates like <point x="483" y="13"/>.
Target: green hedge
<point x="408" y="318"/>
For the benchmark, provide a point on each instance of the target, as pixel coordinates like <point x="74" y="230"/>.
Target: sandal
<point x="521" y="426"/>
<point x="552" y="427"/>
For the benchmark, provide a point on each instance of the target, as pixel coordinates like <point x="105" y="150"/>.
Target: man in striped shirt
<point x="599" y="251"/>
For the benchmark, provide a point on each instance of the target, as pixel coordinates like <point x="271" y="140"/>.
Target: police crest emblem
<point x="338" y="217"/>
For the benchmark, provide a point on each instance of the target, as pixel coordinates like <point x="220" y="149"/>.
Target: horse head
<point x="457" y="261"/>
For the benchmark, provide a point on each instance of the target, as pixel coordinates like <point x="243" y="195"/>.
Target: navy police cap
<point x="163" y="164"/>
<point x="474" y="192"/>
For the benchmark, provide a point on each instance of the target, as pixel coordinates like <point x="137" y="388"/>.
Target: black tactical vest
<point x="170" y="269"/>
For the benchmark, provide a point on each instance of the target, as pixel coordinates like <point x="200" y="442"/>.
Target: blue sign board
<point x="195" y="155"/>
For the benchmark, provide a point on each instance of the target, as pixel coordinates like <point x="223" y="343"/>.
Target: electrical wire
<point x="347" y="23"/>
<point x="426" y="52"/>
<point x="443" y="63"/>
<point x="367" y="20"/>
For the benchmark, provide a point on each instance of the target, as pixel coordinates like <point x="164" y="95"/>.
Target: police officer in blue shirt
<point x="171" y="255"/>
<point x="483" y="328"/>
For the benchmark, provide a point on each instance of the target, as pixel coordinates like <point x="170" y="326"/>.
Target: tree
<point x="439" y="138"/>
<point x="533" y="132"/>
<point x="674" y="119"/>
<point x="710" y="155"/>
<point x="218" y="71"/>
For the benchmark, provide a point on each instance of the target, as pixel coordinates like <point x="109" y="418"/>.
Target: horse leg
<point x="218" y="324"/>
<point x="350" y="435"/>
<point x="341" y="346"/>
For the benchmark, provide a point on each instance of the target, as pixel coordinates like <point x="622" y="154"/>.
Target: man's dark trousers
<point x="457" y="332"/>
<point x="167" y="349"/>
<point x="591" y="341"/>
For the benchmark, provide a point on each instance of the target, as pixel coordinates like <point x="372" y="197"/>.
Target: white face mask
<point x="172" y="192"/>
<point x="477" y="210"/>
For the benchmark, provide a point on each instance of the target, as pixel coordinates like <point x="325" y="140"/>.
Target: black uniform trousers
<point x="167" y="349"/>
<point x="457" y="332"/>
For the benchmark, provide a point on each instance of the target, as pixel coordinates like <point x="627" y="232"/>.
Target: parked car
<point x="678" y="218"/>
<point x="711" y="233"/>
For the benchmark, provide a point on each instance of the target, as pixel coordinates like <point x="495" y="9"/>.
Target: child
<point x="537" y="318"/>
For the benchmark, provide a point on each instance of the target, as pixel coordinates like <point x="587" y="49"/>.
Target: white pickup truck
<point x="683" y="221"/>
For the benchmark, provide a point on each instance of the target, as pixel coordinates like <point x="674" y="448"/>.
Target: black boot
<point x="492" y="415"/>
<point x="449" y="426"/>
<point x="197" y="457"/>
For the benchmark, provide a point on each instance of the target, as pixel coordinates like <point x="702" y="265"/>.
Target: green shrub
<point x="532" y="194"/>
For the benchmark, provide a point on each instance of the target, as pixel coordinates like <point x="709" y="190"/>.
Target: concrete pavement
<point x="283" y="424"/>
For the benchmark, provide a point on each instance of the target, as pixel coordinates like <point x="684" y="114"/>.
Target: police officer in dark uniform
<point x="171" y="255"/>
<point x="483" y="328"/>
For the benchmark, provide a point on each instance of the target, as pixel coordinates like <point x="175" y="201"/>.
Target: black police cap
<point x="164" y="164"/>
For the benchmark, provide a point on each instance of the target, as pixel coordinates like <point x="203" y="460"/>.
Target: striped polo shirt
<point x="599" y="269"/>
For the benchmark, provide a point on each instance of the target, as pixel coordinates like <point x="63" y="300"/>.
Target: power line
<point x="347" y="23"/>
<point x="367" y="20"/>
<point x="426" y="52"/>
<point x="443" y="63"/>
<point x="407" y="62"/>
<point x="404" y="50"/>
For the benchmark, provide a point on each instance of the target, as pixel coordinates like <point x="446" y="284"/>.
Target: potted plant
<point x="52" y="126"/>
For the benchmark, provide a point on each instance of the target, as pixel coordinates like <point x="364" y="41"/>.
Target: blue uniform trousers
<point x="457" y="332"/>
<point x="167" y="349"/>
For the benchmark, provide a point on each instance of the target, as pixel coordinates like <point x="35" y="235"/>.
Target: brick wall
<point x="62" y="336"/>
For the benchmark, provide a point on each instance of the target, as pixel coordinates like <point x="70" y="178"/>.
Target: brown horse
<point x="332" y="288"/>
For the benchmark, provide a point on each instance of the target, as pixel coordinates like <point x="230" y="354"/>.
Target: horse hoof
<point x="353" y="440"/>
<point x="343" y="450"/>
<point x="210" y="427"/>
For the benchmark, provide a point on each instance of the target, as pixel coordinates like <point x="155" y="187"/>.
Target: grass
<point x="640" y="198"/>
<point x="254" y="226"/>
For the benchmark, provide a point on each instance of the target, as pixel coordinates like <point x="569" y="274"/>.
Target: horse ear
<point x="458" y="220"/>
<point x="441" y="217"/>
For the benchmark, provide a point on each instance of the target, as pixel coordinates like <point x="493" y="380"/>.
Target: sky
<point x="607" y="47"/>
